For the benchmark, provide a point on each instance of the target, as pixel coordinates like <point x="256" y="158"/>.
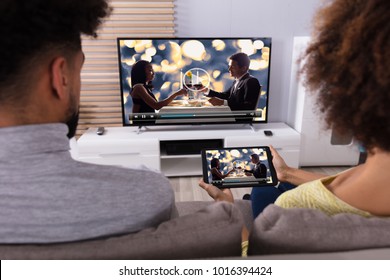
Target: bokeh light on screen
<point x="194" y="49"/>
<point x="235" y="153"/>
<point x="216" y="74"/>
<point x="258" y="44"/>
<point x="151" y="51"/>
<point x="247" y="47"/>
<point x="165" y="85"/>
<point x="146" y="57"/>
<point x="175" y="52"/>
<point x="258" y="64"/>
<point x="219" y="45"/>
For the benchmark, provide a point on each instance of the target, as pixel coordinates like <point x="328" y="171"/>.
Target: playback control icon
<point x="142" y="117"/>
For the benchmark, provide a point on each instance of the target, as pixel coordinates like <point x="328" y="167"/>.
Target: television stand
<point x="140" y="129"/>
<point x="176" y="152"/>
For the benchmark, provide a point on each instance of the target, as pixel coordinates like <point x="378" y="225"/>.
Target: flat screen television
<point x="196" y="64"/>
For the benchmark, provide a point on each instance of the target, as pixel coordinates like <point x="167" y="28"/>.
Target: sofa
<point x="207" y="230"/>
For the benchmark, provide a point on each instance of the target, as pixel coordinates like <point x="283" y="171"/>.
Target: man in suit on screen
<point x="245" y="91"/>
<point x="259" y="170"/>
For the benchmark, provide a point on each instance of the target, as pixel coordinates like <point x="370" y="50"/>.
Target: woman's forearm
<point x="297" y="176"/>
<point x="166" y="101"/>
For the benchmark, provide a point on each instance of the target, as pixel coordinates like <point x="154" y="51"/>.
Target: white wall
<point x="279" y="19"/>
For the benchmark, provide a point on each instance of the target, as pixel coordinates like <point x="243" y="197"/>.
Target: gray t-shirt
<point x="46" y="196"/>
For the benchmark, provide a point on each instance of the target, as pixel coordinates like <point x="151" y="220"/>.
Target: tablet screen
<point x="238" y="167"/>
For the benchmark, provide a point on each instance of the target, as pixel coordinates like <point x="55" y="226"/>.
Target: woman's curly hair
<point x="348" y="64"/>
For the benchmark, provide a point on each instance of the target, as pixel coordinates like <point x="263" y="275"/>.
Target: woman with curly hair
<point x="346" y="65"/>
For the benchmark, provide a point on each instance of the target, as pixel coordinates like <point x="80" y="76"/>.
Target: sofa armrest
<point x="278" y="231"/>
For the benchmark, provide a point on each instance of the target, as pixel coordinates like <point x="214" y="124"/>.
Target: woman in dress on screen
<point x="144" y="101"/>
<point x="216" y="173"/>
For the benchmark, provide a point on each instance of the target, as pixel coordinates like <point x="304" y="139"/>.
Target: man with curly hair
<point x="46" y="196"/>
<point x="347" y="65"/>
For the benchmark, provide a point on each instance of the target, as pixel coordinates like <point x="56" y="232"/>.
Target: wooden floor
<point x="187" y="189"/>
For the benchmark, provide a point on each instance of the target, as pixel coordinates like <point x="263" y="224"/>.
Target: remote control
<point x="268" y="133"/>
<point x="100" y="130"/>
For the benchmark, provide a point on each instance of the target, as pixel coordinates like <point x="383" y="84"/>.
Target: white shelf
<point x="179" y="156"/>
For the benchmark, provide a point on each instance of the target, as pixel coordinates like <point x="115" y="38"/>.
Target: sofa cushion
<point x="279" y="230"/>
<point x="214" y="231"/>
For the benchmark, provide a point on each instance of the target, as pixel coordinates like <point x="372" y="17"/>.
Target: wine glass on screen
<point x="195" y="81"/>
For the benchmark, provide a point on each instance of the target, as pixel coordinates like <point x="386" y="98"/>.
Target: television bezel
<point x="124" y="124"/>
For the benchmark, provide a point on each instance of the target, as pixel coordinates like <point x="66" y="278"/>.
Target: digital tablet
<point x="239" y="167"/>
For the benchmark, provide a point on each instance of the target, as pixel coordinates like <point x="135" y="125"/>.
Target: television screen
<point x="204" y="75"/>
<point x="238" y="167"/>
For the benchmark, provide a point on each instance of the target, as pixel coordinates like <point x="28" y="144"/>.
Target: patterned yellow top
<point x="316" y="195"/>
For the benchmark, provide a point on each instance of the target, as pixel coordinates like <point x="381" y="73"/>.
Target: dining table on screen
<point x="194" y="111"/>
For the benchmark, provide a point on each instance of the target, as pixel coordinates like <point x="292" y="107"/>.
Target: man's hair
<point x="255" y="156"/>
<point x="242" y="59"/>
<point x="33" y="29"/>
<point x="347" y="63"/>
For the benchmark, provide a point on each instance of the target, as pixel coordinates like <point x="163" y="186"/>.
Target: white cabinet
<point x="319" y="147"/>
<point x="176" y="152"/>
<point x="117" y="146"/>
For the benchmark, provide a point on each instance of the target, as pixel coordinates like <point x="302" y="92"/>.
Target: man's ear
<point x="59" y="77"/>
